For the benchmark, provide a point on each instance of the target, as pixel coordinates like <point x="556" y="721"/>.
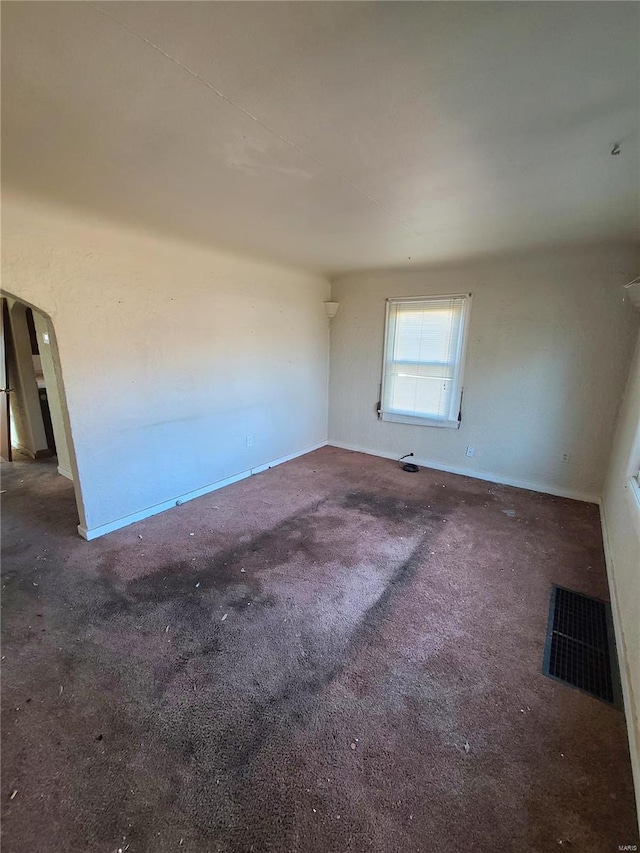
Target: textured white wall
<point x="171" y="355"/>
<point x="621" y="512"/>
<point x="550" y="341"/>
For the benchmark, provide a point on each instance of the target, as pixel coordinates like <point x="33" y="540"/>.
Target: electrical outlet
<point x="471" y="451"/>
<point x="249" y="440"/>
<point x="566" y="457"/>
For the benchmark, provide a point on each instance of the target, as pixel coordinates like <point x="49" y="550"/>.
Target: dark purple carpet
<point x="330" y="656"/>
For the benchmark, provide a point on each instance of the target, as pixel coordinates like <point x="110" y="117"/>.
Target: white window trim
<point x="451" y="423"/>
<point x="634" y="481"/>
<point x="408" y="419"/>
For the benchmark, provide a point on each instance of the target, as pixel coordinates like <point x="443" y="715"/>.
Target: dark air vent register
<point x="580" y="648"/>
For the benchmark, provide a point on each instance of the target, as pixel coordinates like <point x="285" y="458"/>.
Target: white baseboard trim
<point x="102" y="529"/>
<point x="65" y="473"/>
<point x="260" y="468"/>
<point x="625" y="676"/>
<point x="588" y="497"/>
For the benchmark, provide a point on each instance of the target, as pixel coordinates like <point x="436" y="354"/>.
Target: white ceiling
<point x="331" y="135"/>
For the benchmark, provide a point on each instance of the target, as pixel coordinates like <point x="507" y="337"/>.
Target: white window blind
<point x="424" y="351"/>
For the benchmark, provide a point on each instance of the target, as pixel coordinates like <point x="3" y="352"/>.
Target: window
<point x="635" y="483"/>
<point x="423" y="360"/>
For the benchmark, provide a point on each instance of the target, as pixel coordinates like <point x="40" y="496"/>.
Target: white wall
<point x="621" y="517"/>
<point x="171" y="355"/>
<point x="550" y="341"/>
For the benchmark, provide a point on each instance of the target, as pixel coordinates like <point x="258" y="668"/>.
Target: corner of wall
<point x="630" y="705"/>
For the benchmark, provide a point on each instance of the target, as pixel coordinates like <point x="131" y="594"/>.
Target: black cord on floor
<point x="409" y="467"/>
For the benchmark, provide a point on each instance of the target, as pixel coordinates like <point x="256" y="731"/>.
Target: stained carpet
<point x="333" y="655"/>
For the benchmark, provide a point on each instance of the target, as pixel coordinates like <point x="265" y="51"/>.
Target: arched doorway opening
<point x="34" y="419"/>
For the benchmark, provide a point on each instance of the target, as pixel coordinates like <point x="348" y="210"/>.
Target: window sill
<point x="408" y="419"/>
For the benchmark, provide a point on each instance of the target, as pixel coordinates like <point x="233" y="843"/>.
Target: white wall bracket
<point x="331" y="309"/>
<point x="633" y="292"/>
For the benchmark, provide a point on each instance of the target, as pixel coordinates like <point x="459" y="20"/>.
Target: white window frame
<point x="632" y="485"/>
<point x="634" y="480"/>
<point x="453" y="420"/>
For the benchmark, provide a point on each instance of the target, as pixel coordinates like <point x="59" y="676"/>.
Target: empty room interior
<point x="320" y="427"/>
